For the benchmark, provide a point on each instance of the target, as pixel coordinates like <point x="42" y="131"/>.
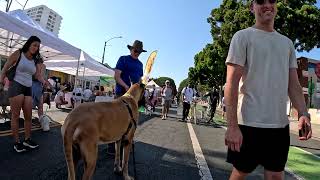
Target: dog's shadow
<point x="144" y="118"/>
<point x="104" y="163"/>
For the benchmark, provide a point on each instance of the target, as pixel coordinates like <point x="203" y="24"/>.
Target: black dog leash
<point x="125" y="141"/>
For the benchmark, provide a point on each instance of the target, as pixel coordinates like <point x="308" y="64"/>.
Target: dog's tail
<point x="69" y="147"/>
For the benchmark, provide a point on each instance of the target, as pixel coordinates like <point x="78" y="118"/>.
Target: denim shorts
<point x="37" y="93"/>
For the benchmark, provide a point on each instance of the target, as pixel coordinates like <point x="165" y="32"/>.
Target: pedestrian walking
<point x="223" y="106"/>
<point x="167" y="95"/>
<point x="213" y="101"/>
<point x="264" y="62"/>
<point x="187" y="96"/>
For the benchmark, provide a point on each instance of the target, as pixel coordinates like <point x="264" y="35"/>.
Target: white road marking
<point x="307" y="152"/>
<point x="293" y="174"/>
<point x="204" y="171"/>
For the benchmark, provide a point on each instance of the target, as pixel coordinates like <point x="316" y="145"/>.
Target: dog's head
<point x="137" y="91"/>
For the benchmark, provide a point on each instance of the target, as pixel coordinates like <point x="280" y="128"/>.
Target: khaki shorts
<point x="166" y="103"/>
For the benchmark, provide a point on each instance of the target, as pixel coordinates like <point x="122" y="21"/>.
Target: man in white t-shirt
<point x="187" y="97"/>
<point x="59" y="99"/>
<point x="87" y="93"/>
<point x="264" y="63"/>
<point x="76" y="96"/>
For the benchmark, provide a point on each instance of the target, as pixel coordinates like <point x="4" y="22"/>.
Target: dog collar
<point x="124" y="138"/>
<point x="129" y="95"/>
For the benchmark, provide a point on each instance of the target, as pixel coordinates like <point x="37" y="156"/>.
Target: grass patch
<point x="218" y="119"/>
<point x="303" y="164"/>
<point x="218" y="115"/>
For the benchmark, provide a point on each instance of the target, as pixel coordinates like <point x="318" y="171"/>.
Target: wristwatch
<point x="306" y="114"/>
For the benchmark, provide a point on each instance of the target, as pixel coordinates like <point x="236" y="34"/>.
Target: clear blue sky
<point x="178" y="29"/>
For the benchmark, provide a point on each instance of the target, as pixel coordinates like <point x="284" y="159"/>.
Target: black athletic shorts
<point x="268" y="147"/>
<point x="16" y="89"/>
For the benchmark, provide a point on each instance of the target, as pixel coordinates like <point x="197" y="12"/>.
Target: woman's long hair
<point x="36" y="56"/>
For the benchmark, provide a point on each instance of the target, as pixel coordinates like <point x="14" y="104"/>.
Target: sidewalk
<point x="293" y="124"/>
<point x="58" y="115"/>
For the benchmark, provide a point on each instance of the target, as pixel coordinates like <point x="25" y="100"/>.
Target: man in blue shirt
<point x="129" y="69"/>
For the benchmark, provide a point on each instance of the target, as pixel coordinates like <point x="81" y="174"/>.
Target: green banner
<point x="107" y="81"/>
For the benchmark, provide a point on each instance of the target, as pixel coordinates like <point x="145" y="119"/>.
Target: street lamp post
<point x="105" y="44"/>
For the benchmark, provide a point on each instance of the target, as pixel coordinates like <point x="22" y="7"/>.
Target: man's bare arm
<point x="13" y="58"/>
<point x="118" y="79"/>
<point x="234" y="74"/>
<point x="295" y="92"/>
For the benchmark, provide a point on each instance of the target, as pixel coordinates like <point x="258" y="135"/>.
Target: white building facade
<point x="46" y="17"/>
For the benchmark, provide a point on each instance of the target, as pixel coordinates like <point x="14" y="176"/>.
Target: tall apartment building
<point x="46" y="17"/>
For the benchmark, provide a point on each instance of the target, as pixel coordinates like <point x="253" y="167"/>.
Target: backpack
<point x="11" y="72"/>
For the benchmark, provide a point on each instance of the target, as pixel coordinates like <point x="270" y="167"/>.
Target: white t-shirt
<point x="87" y="94"/>
<point x="263" y="89"/>
<point x="167" y="93"/>
<point x="188" y="94"/>
<point x="57" y="99"/>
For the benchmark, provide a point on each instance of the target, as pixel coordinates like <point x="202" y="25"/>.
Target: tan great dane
<point x="91" y="124"/>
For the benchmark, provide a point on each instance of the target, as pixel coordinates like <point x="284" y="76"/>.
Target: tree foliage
<point x="183" y="84"/>
<point x="297" y="19"/>
<point x="161" y="82"/>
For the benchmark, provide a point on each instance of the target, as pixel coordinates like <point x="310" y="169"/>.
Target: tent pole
<point x="84" y="81"/>
<point x="77" y="73"/>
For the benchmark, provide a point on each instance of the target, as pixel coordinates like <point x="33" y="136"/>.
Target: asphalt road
<point x="163" y="150"/>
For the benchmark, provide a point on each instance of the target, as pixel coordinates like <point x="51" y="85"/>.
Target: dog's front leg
<point x="117" y="168"/>
<point x="126" y="151"/>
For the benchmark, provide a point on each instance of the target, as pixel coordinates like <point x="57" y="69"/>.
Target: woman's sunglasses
<point x="260" y="2"/>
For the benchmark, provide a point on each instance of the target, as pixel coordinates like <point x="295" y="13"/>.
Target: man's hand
<point x="304" y="126"/>
<point x="233" y="138"/>
<point x="126" y="88"/>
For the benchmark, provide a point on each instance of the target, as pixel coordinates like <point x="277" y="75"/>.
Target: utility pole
<point x="104" y="47"/>
<point x="9" y="2"/>
<point x="24" y="6"/>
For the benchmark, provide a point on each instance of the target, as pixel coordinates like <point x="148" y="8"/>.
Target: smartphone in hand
<point x="304" y="131"/>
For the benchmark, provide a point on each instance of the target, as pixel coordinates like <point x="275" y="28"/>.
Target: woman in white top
<point x="27" y="64"/>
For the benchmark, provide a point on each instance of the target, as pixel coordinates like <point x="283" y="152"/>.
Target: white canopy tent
<point x="151" y="83"/>
<point x="16" y="27"/>
<point x="87" y="66"/>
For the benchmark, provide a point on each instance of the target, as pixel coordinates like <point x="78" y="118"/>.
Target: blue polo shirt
<point x="131" y="69"/>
